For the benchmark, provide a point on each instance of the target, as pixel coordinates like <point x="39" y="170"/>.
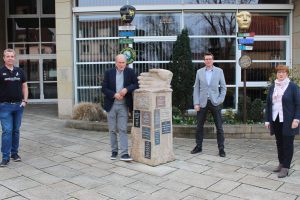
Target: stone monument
<point x="152" y="133"/>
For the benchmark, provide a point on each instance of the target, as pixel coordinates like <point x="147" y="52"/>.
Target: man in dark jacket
<point x="118" y="86"/>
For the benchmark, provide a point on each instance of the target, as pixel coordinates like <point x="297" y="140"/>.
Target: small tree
<point x="183" y="72"/>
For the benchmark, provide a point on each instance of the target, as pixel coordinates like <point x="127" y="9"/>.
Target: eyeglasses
<point x="208" y="59"/>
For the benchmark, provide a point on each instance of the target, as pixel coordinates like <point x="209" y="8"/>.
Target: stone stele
<point x="152" y="132"/>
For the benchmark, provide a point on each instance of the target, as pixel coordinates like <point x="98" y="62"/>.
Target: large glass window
<point x="97" y="43"/>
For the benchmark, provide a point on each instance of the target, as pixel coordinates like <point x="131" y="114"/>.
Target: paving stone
<point x="6" y="193"/>
<point x="81" y="149"/>
<point x="155" y="180"/>
<point x="201" y="193"/>
<point x="117" y="179"/>
<point x="227" y="197"/>
<point x="124" y="171"/>
<point x="7" y="173"/>
<point x="19" y="183"/>
<point x="290" y="188"/>
<point x="103" y="165"/>
<point x="198" y="161"/>
<point x="241" y="163"/>
<point x="45" y="178"/>
<point x="160" y="194"/>
<point x="117" y="192"/>
<point x="192" y="198"/>
<point x="94" y="171"/>
<point x="40" y="162"/>
<point x="87" y="181"/>
<point x="65" y="187"/>
<point x="86" y="160"/>
<point x="28" y="170"/>
<point x="59" y="158"/>
<point x="261" y="182"/>
<point x="224" y="186"/>
<point x="143" y="187"/>
<point x="43" y="192"/>
<point x="17" y="198"/>
<point x="213" y="158"/>
<point x="68" y="154"/>
<point x="100" y="156"/>
<point x="179" y="164"/>
<point x="226" y="174"/>
<point x="75" y="165"/>
<point x="160" y="170"/>
<point x="252" y="192"/>
<point x="61" y="171"/>
<point x="221" y="165"/>
<point x="193" y="179"/>
<point x="255" y="172"/>
<point x="88" y="195"/>
<point x="176" y="186"/>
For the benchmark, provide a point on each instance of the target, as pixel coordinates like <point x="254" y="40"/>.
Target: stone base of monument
<point x="152" y="133"/>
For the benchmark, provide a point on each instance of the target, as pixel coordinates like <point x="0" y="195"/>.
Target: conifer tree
<point x="183" y="72"/>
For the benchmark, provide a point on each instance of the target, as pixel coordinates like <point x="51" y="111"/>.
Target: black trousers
<point x="201" y="118"/>
<point x="285" y="145"/>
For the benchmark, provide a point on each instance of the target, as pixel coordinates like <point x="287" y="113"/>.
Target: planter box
<point x="251" y="131"/>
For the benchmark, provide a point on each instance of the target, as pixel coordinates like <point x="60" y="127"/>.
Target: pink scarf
<point x="280" y="87"/>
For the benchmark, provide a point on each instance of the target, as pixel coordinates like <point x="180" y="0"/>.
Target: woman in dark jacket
<point x="283" y="116"/>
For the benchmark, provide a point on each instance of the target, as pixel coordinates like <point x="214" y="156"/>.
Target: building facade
<point x="65" y="46"/>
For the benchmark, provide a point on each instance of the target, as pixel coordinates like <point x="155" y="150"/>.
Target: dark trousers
<point x="285" y="145"/>
<point x="201" y="118"/>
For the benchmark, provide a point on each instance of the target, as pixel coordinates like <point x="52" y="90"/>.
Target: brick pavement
<point x="62" y="163"/>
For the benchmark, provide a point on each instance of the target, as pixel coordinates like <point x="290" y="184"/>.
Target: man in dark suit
<point x="118" y="86"/>
<point x="209" y="94"/>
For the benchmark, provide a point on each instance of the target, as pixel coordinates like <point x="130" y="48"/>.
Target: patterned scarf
<point x="280" y="87"/>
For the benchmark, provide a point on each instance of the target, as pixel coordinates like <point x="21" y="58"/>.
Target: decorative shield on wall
<point x="127" y="13"/>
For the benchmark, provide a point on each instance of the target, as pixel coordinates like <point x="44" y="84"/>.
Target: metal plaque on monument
<point x="152" y="134"/>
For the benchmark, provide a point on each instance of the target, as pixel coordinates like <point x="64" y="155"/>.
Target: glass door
<point x="41" y="78"/>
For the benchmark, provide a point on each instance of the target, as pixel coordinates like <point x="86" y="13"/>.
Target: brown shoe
<point x="283" y="172"/>
<point x="278" y="168"/>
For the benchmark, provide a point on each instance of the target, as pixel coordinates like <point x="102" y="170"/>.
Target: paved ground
<point x="61" y="163"/>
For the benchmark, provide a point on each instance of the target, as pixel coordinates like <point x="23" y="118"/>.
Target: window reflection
<point x="222" y="48"/>
<point x="210" y="23"/>
<point x="49" y="70"/>
<point x="210" y="1"/>
<point x="50" y="90"/>
<point x="98" y="26"/>
<point x="48" y="29"/>
<point x="267" y="50"/>
<point x="48" y="6"/>
<point x="24" y="29"/>
<point x="33" y="90"/>
<point x="263" y="1"/>
<point x="153" y="51"/>
<point x="31" y="69"/>
<point x="157" y="24"/>
<point x="260" y="71"/>
<point x="20" y="7"/>
<point x="263" y="24"/>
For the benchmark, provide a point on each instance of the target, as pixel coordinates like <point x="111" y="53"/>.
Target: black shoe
<point x="197" y="149"/>
<point x="16" y="157"/>
<point x="114" y="155"/>
<point x="4" y="163"/>
<point x="126" y="157"/>
<point x="222" y="153"/>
